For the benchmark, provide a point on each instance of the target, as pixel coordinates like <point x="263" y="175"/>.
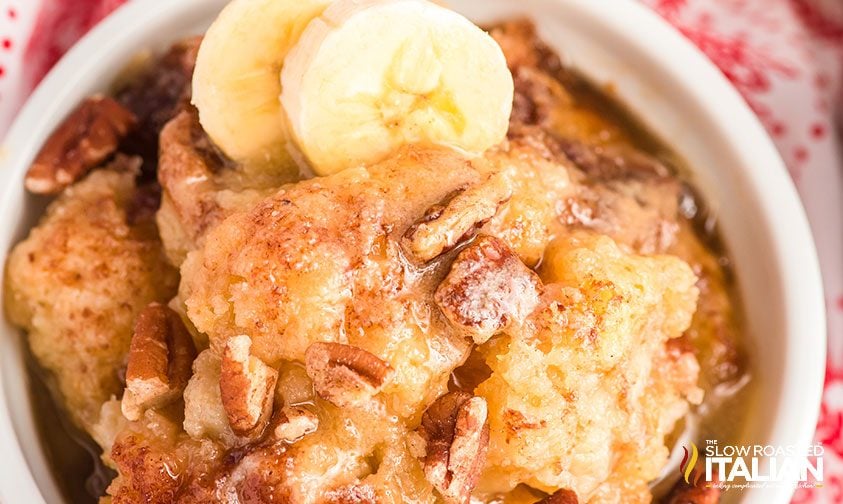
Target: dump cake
<point x="456" y="274"/>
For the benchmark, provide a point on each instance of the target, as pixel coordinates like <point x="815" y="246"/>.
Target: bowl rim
<point x="794" y="253"/>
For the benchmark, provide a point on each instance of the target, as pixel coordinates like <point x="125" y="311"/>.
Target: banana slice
<point x="368" y="76"/>
<point x="236" y="83"/>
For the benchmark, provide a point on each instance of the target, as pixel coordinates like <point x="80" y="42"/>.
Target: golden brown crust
<point x="269" y="265"/>
<point x="157" y="464"/>
<point x="321" y="262"/>
<point x="86" y="138"/>
<point x="540" y="180"/>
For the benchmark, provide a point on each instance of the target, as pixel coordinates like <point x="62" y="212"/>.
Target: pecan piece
<point x="294" y="423"/>
<point x="538" y="95"/>
<point x="487" y="289"/>
<point x="456" y="431"/>
<point x="160" y="359"/>
<point x="86" y="138"/>
<point x="345" y="375"/>
<point x="445" y="225"/>
<point x="247" y="388"/>
<point x="187" y="164"/>
<point x="608" y="164"/>
<point x="562" y="496"/>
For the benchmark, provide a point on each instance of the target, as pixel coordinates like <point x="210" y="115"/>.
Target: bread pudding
<point x="485" y="284"/>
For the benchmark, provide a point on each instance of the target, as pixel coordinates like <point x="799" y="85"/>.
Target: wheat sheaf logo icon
<point x="689" y="462"/>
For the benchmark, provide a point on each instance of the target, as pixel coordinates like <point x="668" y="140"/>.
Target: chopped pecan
<point x="562" y="496"/>
<point x="630" y="196"/>
<point x="538" y="97"/>
<point x="160" y="359"/>
<point x="606" y="164"/>
<point x="487" y="289"/>
<point x="186" y="167"/>
<point x="247" y="388"/>
<point x="456" y="430"/>
<point x="86" y="138"/>
<point x="445" y="225"/>
<point x="344" y="374"/>
<point x="293" y="423"/>
<point x="538" y="75"/>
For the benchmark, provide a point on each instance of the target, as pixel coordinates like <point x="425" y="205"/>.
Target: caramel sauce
<point x="728" y="399"/>
<point x="73" y="456"/>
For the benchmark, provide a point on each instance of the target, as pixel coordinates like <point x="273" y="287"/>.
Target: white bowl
<point x="665" y="80"/>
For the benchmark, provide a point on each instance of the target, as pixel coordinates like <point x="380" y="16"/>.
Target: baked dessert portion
<point x="80" y="279"/>
<point x="524" y="324"/>
<point x="589" y="374"/>
<point x="324" y="274"/>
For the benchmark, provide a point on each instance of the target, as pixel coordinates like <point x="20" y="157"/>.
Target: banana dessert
<point x="365" y="251"/>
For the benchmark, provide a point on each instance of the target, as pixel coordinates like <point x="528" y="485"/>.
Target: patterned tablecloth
<point x="784" y="56"/>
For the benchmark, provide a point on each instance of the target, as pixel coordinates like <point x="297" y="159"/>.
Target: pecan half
<point x="160" y="359"/>
<point x="86" y="138"/>
<point x="562" y="496"/>
<point x="186" y="167"/>
<point x="344" y="374"/>
<point x="487" y="289"/>
<point x="445" y="225"/>
<point x="456" y="431"/>
<point x="247" y="388"/>
<point x="293" y="423"/>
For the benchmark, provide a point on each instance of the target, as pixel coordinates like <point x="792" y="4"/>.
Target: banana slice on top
<point x="368" y="76"/>
<point x="236" y="84"/>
